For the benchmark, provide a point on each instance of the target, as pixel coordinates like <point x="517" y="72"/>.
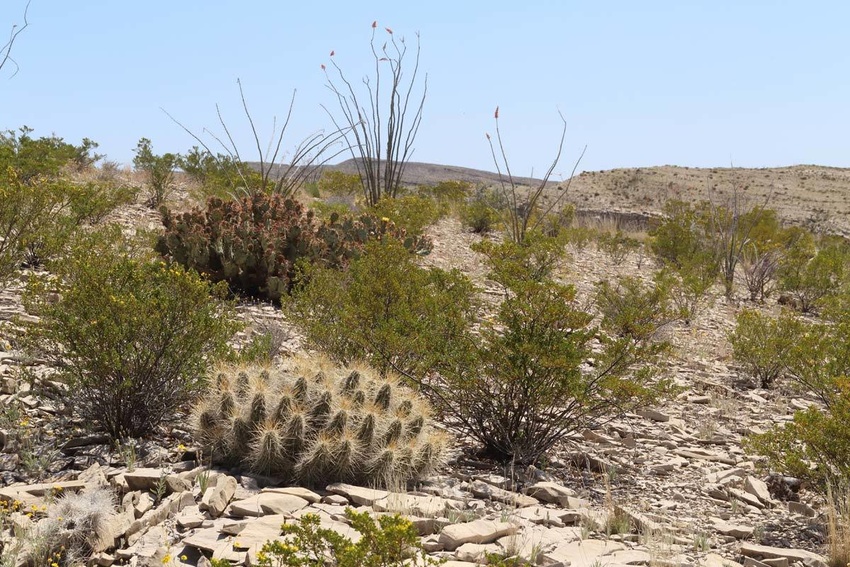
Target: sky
<point x="686" y="82"/>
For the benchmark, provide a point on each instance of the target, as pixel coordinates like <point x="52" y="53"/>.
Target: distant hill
<point x="802" y="194"/>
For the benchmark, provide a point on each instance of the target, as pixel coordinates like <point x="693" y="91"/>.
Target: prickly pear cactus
<point x="315" y="423"/>
<point x="254" y="243"/>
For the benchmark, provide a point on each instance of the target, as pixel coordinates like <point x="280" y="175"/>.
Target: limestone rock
<point x="478" y="531"/>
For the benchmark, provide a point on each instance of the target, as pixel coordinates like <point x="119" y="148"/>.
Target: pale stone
<point x="490" y="492"/>
<point x="304" y="493"/>
<point x="808" y="558"/>
<point x="478" y="531"/>
<point x="758" y="488"/>
<point x="267" y="503"/>
<point x="582" y="553"/>
<point x="216" y="498"/>
<point x="409" y="504"/>
<point x="475" y="552"/>
<point x="148" y="479"/>
<point x="802" y="509"/>
<point x="550" y="492"/>
<point x="357" y="494"/>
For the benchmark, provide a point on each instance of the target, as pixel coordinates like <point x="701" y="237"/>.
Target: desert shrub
<point x="37" y="217"/>
<point x="535" y="259"/>
<point x="410" y="212"/>
<point x="541" y="371"/>
<point x="630" y="307"/>
<point x="763" y="344"/>
<point x="338" y="183"/>
<point x="219" y="175"/>
<point x="617" y="245"/>
<point x="43" y="157"/>
<point x="682" y="235"/>
<point x="815" y="446"/>
<point x="556" y="223"/>
<point x="315" y="423"/>
<point x="392" y="541"/>
<point x="481" y="213"/>
<point x="386" y="310"/>
<point x="159" y="170"/>
<point x="132" y="337"/>
<point x="254" y="243"/>
<point x="810" y="277"/>
<point x="448" y="193"/>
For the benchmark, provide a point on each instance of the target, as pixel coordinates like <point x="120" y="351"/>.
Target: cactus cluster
<point x="253" y="243"/>
<point x="314" y="423"/>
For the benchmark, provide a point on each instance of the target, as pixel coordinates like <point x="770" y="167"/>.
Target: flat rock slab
<point x="208" y="539"/>
<point x="488" y="491"/>
<point x="410" y="504"/>
<point x="259" y="531"/>
<point x="478" y="531"/>
<point x="758" y="488"/>
<point x="808" y="558"/>
<point x="357" y="494"/>
<point x="148" y="479"/>
<point x="551" y="492"/>
<point x="584" y="553"/>
<point x="737" y="531"/>
<point x="304" y="493"/>
<point x="267" y="503"/>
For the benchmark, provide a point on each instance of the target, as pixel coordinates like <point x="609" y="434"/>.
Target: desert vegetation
<point x="406" y="361"/>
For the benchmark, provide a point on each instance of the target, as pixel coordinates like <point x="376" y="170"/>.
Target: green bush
<point x="386" y="310"/>
<point x="315" y="423"/>
<point x="541" y="371"/>
<point x="338" y="183"/>
<point x="632" y="308"/>
<point x="617" y="245"/>
<point x="410" y="212"/>
<point x="811" y="277"/>
<point x="392" y="541"/>
<point x="159" y="170"/>
<point x="481" y="213"/>
<point x="133" y="337"/>
<point x="42" y="157"/>
<point x="255" y="243"/>
<point x="763" y="344"/>
<point x="683" y="234"/>
<point x="815" y="446"/>
<point x="533" y="260"/>
<point x="219" y="175"/>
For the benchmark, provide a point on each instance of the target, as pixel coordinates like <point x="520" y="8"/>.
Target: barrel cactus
<point x="314" y="423"/>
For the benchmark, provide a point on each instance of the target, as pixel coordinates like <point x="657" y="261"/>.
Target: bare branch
<point x="6" y="49"/>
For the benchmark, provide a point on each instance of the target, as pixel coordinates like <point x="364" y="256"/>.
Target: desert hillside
<point x="802" y="194"/>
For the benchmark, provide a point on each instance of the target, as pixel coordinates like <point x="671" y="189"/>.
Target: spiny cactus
<point x="253" y="243"/>
<point x="314" y="423"/>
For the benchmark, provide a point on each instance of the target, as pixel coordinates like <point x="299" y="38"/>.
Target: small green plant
<point x="413" y="213"/>
<point x="338" y="183"/>
<point x="313" y="422"/>
<point x="392" y="541"/>
<point x="810" y="280"/>
<point x="617" y="245"/>
<point x="159" y="170"/>
<point x="160" y="487"/>
<point x="127" y="453"/>
<point x="763" y="344"/>
<point x="133" y="337"/>
<point x="481" y="211"/>
<point x="629" y="307"/>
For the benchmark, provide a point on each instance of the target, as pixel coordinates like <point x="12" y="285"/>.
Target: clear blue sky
<point x="696" y="83"/>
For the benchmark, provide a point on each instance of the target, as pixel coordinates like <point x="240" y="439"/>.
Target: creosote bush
<point x="386" y="310"/>
<point x="764" y="345"/>
<point x="313" y="422"/>
<point x="413" y="213"/>
<point x="159" y="170"/>
<point x="541" y="369"/>
<point x="392" y="541"/>
<point x="255" y="243"/>
<point x="131" y="336"/>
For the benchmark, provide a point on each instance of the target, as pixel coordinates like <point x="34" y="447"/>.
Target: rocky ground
<point x="670" y="486"/>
